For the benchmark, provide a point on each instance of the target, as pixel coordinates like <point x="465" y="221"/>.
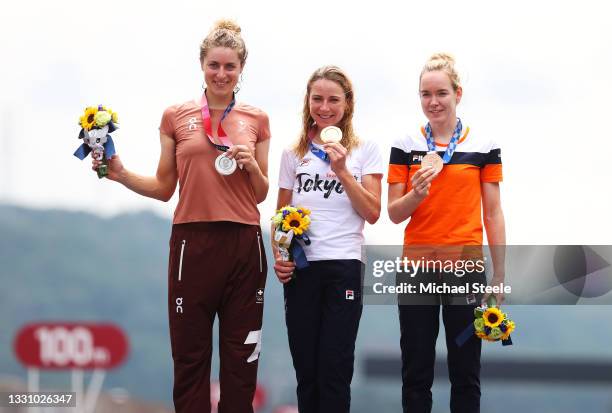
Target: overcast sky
<point x="537" y="77"/>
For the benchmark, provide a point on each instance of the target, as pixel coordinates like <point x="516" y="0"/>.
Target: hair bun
<point x="227" y="24"/>
<point x="445" y="57"/>
<point x="446" y="63"/>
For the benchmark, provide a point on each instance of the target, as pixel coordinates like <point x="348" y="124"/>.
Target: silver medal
<point x="225" y="165"/>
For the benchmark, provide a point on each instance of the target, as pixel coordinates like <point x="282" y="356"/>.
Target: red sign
<point x="259" y="400"/>
<point x="57" y="345"/>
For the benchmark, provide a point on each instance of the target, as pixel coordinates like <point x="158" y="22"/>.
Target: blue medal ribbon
<point x="319" y="153"/>
<point x="452" y="145"/>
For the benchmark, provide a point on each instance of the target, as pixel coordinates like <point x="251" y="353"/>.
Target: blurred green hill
<point x="60" y="265"/>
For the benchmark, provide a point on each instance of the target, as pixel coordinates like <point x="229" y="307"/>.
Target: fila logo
<point x="350" y="295"/>
<point x="259" y="296"/>
<point x="417" y="158"/>
<point x="192" y="123"/>
<point x="179" y="305"/>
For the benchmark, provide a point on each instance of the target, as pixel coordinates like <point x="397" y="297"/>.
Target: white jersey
<point x="336" y="229"/>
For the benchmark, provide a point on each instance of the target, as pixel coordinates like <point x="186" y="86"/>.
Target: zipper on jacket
<point x="259" y="247"/>
<point x="181" y="260"/>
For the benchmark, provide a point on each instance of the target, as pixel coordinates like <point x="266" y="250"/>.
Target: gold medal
<point x="331" y="134"/>
<point x="432" y="160"/>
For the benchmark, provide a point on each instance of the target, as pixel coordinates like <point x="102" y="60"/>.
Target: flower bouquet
<point x="97" y="122"/>
<point x="490" y="324"/>
<point x="291" y="224"/>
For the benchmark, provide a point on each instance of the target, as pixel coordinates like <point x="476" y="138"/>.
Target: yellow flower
<point x="277" y="219"/>
<point x="114" y="116"/>
<point x="493" y="317"/>
<point x="305" y="211"/>
<point x="87" y="121"/>
<point x="294" y="221"/>
<point x="510" y="327"/>
<point x="489" y="339"/>
<point x="496" y="333"/>
<point x="102" y="118"/>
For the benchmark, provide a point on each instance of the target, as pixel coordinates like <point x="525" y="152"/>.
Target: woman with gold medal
<point x="337" y="176"/>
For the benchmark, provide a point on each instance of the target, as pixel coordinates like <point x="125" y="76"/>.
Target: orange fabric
<point x="492" y="173"/>
<point x="397" y="174"/>
<point x="451" y="213"/>
<point x="204" y="194"/>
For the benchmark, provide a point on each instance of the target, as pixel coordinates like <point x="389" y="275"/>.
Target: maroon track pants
<point x="215" y="268"/>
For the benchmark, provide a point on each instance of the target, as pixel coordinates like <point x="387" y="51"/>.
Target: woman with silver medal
<point x="216" y="149"/>
<point x="440" y="179"/>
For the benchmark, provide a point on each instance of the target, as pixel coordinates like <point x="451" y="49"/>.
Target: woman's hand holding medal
<point x="331" y="137"/>
<point x="244" y="157"/>
<point x="421" y="181"/>
<point x="431" y="163"/>
<point x="337" y="156"/>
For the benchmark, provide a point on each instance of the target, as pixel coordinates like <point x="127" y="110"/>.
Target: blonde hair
<point x="349" y="139"/>
<point x="225" y="33"/>
<point x="443" y="62"/>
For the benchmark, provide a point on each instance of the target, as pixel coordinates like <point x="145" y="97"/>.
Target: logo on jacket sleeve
<point x="350" y="295"/>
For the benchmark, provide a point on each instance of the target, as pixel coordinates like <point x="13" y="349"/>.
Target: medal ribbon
<point x="318" y="152"/>
<point x="452" y="145"/>
<point x="208" y="123"/>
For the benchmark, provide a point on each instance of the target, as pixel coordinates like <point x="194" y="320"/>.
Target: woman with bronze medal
<point x="337" y="176"/>
<point x="440" y="178"/>
<point x="217" y="150"/>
